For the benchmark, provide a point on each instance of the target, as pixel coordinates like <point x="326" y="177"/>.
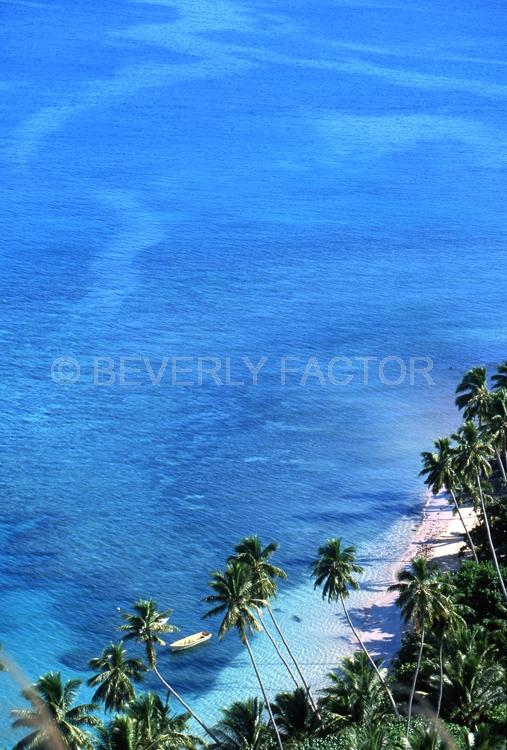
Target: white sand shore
<point x="440" y="537"/>
<point x="441" y="533"/>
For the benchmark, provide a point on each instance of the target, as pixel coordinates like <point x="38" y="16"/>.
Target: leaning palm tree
<point x="251" y="552"/>
<point x="495" y="428"/>
<point x="474" y="394"/>
<point x="235" y="595"/>
<point x="354" y="693"/>
<point x="335" y="570"/>
<point x="473" y="461"/>
<point x="114" y="678"/>
<point x="445" y="622"/>
<point x="500" y="377"/>
<point x="421" y="600"/>
<point x="242" y="726"/>
<point x="440" y="472"/>
<point x="494" y="432"/>
<point x="54" y="720"/>
<point x="146" y="626"/>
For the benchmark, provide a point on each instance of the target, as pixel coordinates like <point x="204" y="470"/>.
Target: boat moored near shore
<point x="190" y="641"/>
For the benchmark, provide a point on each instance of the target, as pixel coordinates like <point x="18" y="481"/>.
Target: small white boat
<point x="190" y="641"/>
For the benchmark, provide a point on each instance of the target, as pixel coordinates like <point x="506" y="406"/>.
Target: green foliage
<point x="53" y="719"/>
<point x="455" y="732"/>
<point x="242" y="726"/>
<point x="332" y="742"/>
<point x="235" y="596"/>
<point x="368" y="736"/>
<point x="115" y="674"/>
<point x="497" y="715"/>
<point x="146" y="625"/>
<point x="497" y="512"/>
<point x="476" y="588"/>
<point x="354" y="694"/>
<point x="148" y="724"/>
<point x="473" y="393"/>
<point x="473" y="679"/>
<point x="336" y="570"/>
<point x="485" y="737"/>
<point x="421" y="596"/>
<point x="500" y="377"/>
<point x="251" y="553"/>
<point x="388" y="735"/>
<point x="294" y="715"/>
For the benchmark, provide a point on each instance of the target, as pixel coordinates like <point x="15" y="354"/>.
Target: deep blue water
<point x="227" y="179"/>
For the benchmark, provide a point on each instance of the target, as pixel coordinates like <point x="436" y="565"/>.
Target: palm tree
<point x="475" y="394"/>
<point x="494" y="431"/>
<point x="495" y="428"/>
<point x="236" y="597"/>
<point x="500" y="378"/>
<point x="156" y="727"/>
<point x="295" y="716"/>
<point x="421" y="601"/>
<point x="473" y="679"/>
<point x="242" y="727"/>
<point x="355" y="693"/>
<point x="115" y="676"/>
<point x="446" y="620"/>
<point x="53" y="720"/>
<point x="119" y="734"/>
<point x="473" y="456"/>
<point x="148" y="725"/>
<point x="335" y="570"/>
<point x="439" y="469"/>
<point x="255" y="558"/>
<point x="146" y="625"/>
<point x="251" y="552"/>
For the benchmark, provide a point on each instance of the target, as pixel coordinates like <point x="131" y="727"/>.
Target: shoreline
<point x="439" y="536"/>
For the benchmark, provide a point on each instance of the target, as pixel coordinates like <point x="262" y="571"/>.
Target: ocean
<point x="195" y="189"/>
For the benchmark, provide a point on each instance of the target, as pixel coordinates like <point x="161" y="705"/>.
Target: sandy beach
<point x="440" y="537"/>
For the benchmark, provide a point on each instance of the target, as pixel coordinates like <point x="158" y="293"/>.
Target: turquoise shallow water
<point x="229" y="179"/>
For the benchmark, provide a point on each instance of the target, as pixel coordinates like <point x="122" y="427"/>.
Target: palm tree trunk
<point x="264" y="695"/>
<point x="469" y="538"/>
<point x="289" y="651"/>
<point x="500" y="464"/>
<point x="414" y="682"/>
<point x="185" y="705"/>
<point x="490" y="540"/>
<point x="440" y="692"/>
<point x="441" y="686"/>
<point x="279" y="653"/>
<point x="372" y="662"/>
